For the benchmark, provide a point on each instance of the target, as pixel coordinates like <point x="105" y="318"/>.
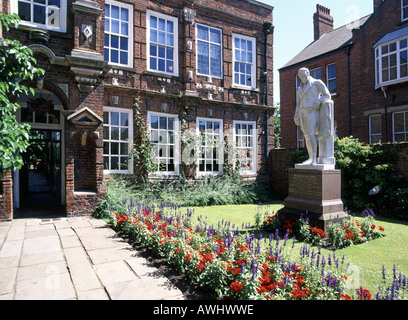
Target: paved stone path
<point x="78" y="258"/>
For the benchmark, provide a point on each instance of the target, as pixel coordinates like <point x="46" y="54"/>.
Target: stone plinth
<point x="317" y="192"/>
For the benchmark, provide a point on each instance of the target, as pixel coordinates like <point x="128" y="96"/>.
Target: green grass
<point x="236" y="214"/>
<point x="368" y="258"/>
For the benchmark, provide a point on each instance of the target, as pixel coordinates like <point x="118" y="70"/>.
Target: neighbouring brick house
<point x="365" y="66"/>
<point x="194" y="64"/>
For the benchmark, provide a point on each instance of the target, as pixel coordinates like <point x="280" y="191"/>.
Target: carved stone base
<point x="317" y="192"/>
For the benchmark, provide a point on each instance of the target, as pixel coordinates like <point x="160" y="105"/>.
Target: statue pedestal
<point x="317" y="191"/>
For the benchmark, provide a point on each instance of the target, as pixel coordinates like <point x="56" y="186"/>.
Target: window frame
<point x="176" y="143"/>
<point x="130" y="41"/>
<point x="329" y="80"/>
<point x="221" y="147"/>
<point x="63" y="15"/>
<point x="371" y="135"/>
<point x="405" y="112"/>
<point x="378" y="55"/>
<point x="254" y="148"/>
<point x="253" y="64"/>
<point x="129" y="140"/>
<point x="402" y="11"/>
<point x="209" y="52"/>
<point x="149" y="14"/>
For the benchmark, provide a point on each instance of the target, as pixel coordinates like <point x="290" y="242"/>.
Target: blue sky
<point x="293" y="21"/>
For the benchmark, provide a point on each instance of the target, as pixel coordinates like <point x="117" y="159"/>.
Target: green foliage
<point x="142" y="146"/>
<point x="364" y="167"/>
<point x="16" y="65"/>
<point x="208" y="191"/>
<point x="118" y="194"/>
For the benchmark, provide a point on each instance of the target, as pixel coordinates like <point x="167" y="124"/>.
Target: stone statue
<point x="315" y="116"/>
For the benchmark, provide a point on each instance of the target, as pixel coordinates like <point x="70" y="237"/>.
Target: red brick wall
<point x="237" y="16"/>
<point x="6" y="197"/>
<point x="365" y="98"/>
<point x="288" y="96"/>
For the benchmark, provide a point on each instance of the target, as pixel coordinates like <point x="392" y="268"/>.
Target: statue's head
<point x="304" y="75"/>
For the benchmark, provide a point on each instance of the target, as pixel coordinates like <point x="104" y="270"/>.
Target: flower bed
<point x="232" y="264"/>
<point x="350" y="232"/>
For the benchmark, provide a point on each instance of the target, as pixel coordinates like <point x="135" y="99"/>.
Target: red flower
<point x="345" y="296"/>
<point x="200" y="266"/>
<point x="237" y="286"/>
<point x="381" y="228"/>
<point x="237" y="271"/>
<point x="373" y="226"/>
<point x="363" y="294"/>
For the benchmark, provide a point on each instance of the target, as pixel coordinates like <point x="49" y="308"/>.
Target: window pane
<point x="114" y="133"/>
<point x="399" y="122"/>
<point x="114" y="118"/>
<point x="375" y="122"/>
<point x="124" y="14"/>
<point x="115" y="12"/>
<point x="24" y="11"/>
<point x="202" y="33"/>
<point x="39" y="14"/>
<point x="153" y="22"/>
<point x="215" y="36"/>
<point x="154" y="122"/>
<point x="331" y="71"/>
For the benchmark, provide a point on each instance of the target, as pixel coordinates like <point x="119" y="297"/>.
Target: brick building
<point x="195" y="65"/>
<point x="364" y="64"/>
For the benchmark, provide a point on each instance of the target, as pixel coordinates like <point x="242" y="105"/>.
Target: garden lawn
<point x="236" y="214"/>
<point x="367" y="258"/>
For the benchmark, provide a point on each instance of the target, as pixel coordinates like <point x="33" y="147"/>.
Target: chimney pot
<point x="323" y="21"/>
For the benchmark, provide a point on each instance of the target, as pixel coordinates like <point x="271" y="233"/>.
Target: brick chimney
<point x="323" y="21"/>
<point x="377" y="3"/>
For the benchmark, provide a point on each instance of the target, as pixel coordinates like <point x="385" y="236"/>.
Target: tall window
<point x="400" y="126"/>
<point x="210" y="150"/>
<point x="375" y="129"/>
<point x="118" y="33"/>
<point x="117" y="140"/>
<point x="164" y="130"/>
<point x="404" y="9"/>
<point x="331" y="78"/>
<point x="209" y="51"/>
<point x="245" y="140"/>
<point x="47" y="14"/>
<point x="162" y="43"/>
<point x="244" y="61"/>
<point x="392" y="62"/>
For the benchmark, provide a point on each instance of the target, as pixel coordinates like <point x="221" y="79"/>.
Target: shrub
<point x="208" y="191"/>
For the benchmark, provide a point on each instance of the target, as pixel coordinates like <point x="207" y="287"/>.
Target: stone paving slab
<point x="78" y="258"/>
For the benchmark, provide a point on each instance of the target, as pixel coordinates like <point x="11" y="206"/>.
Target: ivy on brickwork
<point x="16" y="65"/>
<point x="142" y="147"/>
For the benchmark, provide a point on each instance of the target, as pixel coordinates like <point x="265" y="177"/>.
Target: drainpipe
<point x="267" y="29"/>
<point x="349" y="86"/>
